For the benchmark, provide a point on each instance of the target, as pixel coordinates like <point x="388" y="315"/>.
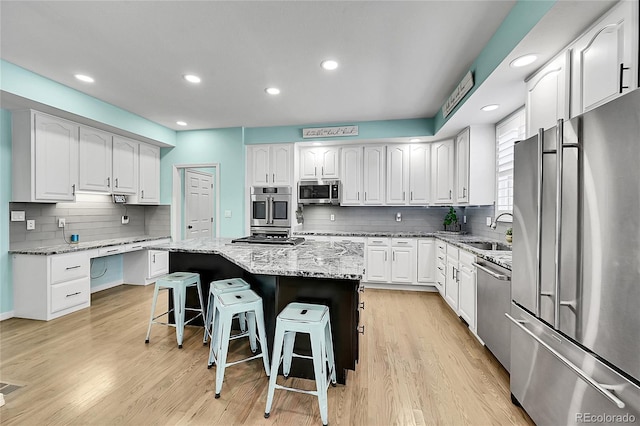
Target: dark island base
<point x="341" y="296"/>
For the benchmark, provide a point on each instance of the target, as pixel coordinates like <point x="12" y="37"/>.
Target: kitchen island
<point x="313" y="272"/>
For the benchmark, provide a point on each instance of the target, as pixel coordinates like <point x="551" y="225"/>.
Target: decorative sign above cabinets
<point x="462" y="89"/>
<point x="330" y="132"/>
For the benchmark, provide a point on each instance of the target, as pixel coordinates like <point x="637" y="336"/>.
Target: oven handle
<point x="269" y="210"/>
<point x="599" y="387"/>
<point x="494" y="274"/>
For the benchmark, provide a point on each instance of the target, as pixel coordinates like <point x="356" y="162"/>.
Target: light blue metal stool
<point x="217" y="288"/>
<point x="313" y="320"/>
<point x="177" y="282"/>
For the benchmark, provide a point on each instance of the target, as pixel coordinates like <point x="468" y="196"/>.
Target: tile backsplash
<point x="92" y="217"/>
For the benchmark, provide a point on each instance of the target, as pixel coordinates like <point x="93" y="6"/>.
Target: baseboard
<point x="107" y="285"/>
<point x="7" y="315"/>
<point x="408" y="287"/>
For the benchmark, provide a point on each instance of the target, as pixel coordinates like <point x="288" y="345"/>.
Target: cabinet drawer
<point x="441" y="245"/>
<point x="69" y="267"/>
<point x="467" y="259"/>
<point x="70" y="294"/>
<point x="108" y="251"/>
<point x="377" y="241"/>
<point x="133" y="247"/>
<point x="403" y="242"/>
<point x="452" y="252"/>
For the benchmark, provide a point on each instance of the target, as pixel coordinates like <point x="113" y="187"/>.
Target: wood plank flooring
<point x="419" y="365"/>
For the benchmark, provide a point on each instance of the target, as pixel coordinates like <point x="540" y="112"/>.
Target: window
<point x="508" y="131"/>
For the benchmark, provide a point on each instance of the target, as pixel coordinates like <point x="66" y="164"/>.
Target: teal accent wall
<point x="366" y="130"/>
<point x="29" y="85"/>
<point x="524" y="15"/>
<point x="223" y="146"/>
<point x="114" y="268"/>
<point x="6" y="280"/>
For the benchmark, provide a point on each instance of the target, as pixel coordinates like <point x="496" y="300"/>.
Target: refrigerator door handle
<point x="603" y="389"/>
<point x="558" y="245"/>
<point x="539" y="222"/>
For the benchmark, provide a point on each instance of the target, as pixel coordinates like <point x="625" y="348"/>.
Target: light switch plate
<point x="17" y="216"/>
<point x="31" y="225"/>
<point x="227" y="213"/>
<point x="488" y="220"/>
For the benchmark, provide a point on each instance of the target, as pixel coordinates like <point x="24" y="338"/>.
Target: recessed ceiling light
<point x="84" y="78"/>
<point x="414" y="140"/>
<point x="329" y="65"/>
<point x="192" y="78"/>
<point x="272" y="90"/>
<point x="491" y="107"/>
<point x="181" y="123"/>
<point x="523" y="61"/>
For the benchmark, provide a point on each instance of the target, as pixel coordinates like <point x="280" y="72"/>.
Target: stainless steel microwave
<point x="319" y="192"/>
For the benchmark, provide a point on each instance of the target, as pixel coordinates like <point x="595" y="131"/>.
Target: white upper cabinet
<point x="352" y="193"/>
<point x="548" y="95"/>
<point x="270" y="164"/>
<point x="397" y="174"/>
<point x="125" y="166"/>
<point x="373" y="175"/>
<point x="442" y="172"/>
<point x="319" y="163"/>
<point x="45" y="157"/>
<point x="419" y="174"/>
<point x="605" y="59"/>
<point x="149" y="168"/>
<point x="95" y="160"/>
<point x="475" y="180"/>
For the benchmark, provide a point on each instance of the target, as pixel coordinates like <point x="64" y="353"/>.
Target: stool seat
<point x="313" y="320"/>
<point x="215" y="289"/>
<point x="226" y="306"/>
<point x="177" y="282"/>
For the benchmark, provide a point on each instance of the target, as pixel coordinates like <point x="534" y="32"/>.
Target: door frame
<point x="185" y="185"/>
<point x="176" y="196"/>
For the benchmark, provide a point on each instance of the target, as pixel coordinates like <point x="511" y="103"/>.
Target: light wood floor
<point x="418" y="365"/>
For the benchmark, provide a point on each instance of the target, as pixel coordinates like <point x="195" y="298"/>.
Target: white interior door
<point x="198" y="204"/>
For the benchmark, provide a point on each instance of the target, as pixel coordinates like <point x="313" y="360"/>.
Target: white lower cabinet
<point x="145" y="266"/>
<point x="378" y="269"/>
<point x="441" y="266"/>
<point x="467" y="288"/>
<point x="451" y="278"/>
<point x="426" y="262"/>
<point x="403" y="260"/>
<point x="47" y="287"/>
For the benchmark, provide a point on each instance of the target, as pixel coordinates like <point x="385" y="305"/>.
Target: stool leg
<point x="320" y="373"/>
<point x="251" y="324"/>
<point x="287" y="354"/>
<point x="200" y="298"/>
<point x="242" y="319"/>
<point x="215" y="334"/>
<point x="262" y="335"/>
<point x="222" y="354"/>
<point x="178" y="313"/>
<point x="207" y="320"/>
<point x="330" y="355"/>
<point x="153" y="310"/>
<point x="277" y="352"/>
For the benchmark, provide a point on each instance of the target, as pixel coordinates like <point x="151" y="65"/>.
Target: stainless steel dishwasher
<point x="494" y="300"/>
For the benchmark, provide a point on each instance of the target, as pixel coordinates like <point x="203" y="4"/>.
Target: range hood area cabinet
<point x="44" y="157"/>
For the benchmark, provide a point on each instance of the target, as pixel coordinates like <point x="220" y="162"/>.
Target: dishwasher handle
<point x="494" y="274"/>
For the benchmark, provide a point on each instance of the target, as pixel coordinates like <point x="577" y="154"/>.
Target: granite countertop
<point x="69" y="248"/>
<point x="313" y="259"/>
<point x="499" y="257"/>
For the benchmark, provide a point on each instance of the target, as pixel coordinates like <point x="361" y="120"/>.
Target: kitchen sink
<point x="490" y="246"/>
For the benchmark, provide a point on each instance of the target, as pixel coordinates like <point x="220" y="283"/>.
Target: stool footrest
<point x="308" y="392"/>
<point x="187" y="322"/>
<point x="295" y="355"/>
<point x="251" y="358"/>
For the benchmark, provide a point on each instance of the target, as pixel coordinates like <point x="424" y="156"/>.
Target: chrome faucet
<point x="495" y="222"/>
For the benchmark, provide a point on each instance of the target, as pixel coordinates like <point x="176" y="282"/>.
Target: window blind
<point x="508" y="131"/>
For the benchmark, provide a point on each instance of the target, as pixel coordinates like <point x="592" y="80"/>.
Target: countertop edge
<point x="90" y="245"/>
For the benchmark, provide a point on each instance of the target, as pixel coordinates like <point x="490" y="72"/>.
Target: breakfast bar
<point x="326" y="273"/>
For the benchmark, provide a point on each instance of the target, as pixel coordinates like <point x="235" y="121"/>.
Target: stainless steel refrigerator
<point x="575" y="313"/>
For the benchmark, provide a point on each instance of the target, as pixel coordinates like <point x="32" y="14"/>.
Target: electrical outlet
<point x="333" y="217"/>
<point x="62" y="222"/>
<point x="227" y="213"/>
<point x="125" y="220"/>
<point x="31" y="225"/>
<point x="464" y="219"/>
<point x="398" y="217"/>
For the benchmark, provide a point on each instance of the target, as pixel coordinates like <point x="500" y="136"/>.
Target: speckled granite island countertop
<point x="499" y="257"/>
<point x="311" y="259"/>
<point x="90" y="245"/>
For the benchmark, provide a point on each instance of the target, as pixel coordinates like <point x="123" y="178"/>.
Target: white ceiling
<point x="398" y="59"/>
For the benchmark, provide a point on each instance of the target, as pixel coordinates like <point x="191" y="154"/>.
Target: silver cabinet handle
<point x="72" y="267"/>
<point x="274" y="178"/>
<point x="154" y="258"/>
<point x="450" y="194"/>
<point x="365" y="195"/>
<point x="73" y="189"/>
<point x="266" y="177"/>
<point x="411" y="196"/>
<point x="322" y="172"/>
<point x="108" y="182"/>
<point x="495" y="275"/>
<point x="73" y="294"/>
<point x="385" y="256"/>
<point x="358" y="195"/>
<point x="111" y="251"/>
<point x="402" y="195"/>
<point x="622" y="70"/>
<point x="441" y="258"/>
<point x="393" y="253"/>
<point x="315" y="171"/>
<point x="142" y="192"/>
<point x="116" y="182"/>
<point x="402" y="242"/>
<point x="464" y="192"/>
<point x="600" y="388"/>
<point x="136" y="247"/>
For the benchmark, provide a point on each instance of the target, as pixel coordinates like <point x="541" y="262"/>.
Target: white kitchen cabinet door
<point x="158" y="263"/>
<point x="319" y="163"/>
<point x="462" y="166"/>
<point x="442" y="172"/>
<point x="467" y="297"/>
<point x="260" y="166"/>
<point x="605" y="59"/>
<point x="95" y="160"/>
<point x="548" y="95"/>
<point x="426" y="261"/>
<point x="419" y="174"/>
<point x="373" y="175"/>
<point x="308" y="163"/>
<point x="56" y="158"/>
<point x="330" y="166"/>
<point x="149" y="167"/>
<point x="125" y="166"/>
<point x="352" y="194"/>
<point x="281" y="165"/>
<point x="403" y="265"/>
<point x="451" y="293"/>
<point x="397" y="174"/>
<point x="378" y="264"/>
